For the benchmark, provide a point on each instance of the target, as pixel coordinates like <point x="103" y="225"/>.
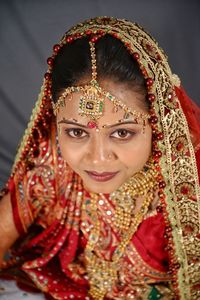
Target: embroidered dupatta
<point x="55" y="192"/>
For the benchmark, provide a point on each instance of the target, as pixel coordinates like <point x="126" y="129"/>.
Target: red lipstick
<point x="104" y="176"/>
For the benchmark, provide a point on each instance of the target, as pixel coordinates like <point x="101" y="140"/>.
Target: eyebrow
<point x="104" y="126"/>
<point x="72" y="123"/>
<point x="121" y="123"/>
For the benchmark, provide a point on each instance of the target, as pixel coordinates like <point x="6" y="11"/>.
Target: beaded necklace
<point x="102" y="273"/>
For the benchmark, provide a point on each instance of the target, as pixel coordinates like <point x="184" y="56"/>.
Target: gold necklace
<point x="103" y="274"/>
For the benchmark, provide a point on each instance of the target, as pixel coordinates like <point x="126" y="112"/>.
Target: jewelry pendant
<point x="91" y="103"/>
<point x="102" y="277"/>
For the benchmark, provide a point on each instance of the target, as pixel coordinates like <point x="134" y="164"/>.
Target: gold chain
<point x="103" y="274"/>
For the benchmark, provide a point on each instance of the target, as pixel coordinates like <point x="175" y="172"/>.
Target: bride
<point x="103" y="199"/>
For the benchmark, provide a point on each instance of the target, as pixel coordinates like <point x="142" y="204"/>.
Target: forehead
<point x="132" y="99"/>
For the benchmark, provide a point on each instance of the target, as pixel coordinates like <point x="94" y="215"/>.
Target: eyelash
<point x="128" y="132"/>
<point x="72" y="130"/>
<point x="70" y="133"/>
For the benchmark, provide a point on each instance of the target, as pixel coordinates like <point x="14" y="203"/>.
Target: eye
<point x="76" y="133"/>
<point x="122" y="134"/>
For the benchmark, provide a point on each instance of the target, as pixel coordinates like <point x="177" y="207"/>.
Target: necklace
<point x="103" y="274"/>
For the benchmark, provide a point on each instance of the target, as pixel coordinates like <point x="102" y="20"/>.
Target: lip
<point x="104" y="176"/>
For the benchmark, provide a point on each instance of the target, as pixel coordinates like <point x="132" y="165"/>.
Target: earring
<point x="140" y="184"/>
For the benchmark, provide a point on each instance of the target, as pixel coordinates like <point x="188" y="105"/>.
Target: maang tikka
<point x="91" y="104"/>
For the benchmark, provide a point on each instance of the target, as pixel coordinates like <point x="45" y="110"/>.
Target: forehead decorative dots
<point x="92" y="99"/>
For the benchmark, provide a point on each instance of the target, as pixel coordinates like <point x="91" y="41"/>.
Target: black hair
<point x="114" y="62"/>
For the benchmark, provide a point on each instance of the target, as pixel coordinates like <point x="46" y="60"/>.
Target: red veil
<point x="192" y="113"/>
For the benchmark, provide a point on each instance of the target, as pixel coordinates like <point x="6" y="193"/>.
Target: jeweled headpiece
<point x="93" y="96"/>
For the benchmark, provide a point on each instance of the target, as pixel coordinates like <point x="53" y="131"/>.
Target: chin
<point x="100" y="188"/>
<point x="104" y="187"/>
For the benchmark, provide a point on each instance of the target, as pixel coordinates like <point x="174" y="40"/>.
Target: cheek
<point x="70" y="153"/>
<point x="135" y="155"/>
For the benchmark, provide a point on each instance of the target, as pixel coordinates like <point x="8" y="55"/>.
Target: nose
<point x="100" y="150"/>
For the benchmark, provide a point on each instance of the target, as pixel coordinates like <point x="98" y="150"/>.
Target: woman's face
<point x="105" y="159"/>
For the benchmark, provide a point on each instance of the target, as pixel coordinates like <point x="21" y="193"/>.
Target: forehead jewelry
<point x="92" y="99"/>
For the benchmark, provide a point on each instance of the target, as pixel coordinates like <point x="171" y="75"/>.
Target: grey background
<point x="29" y="29"/>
